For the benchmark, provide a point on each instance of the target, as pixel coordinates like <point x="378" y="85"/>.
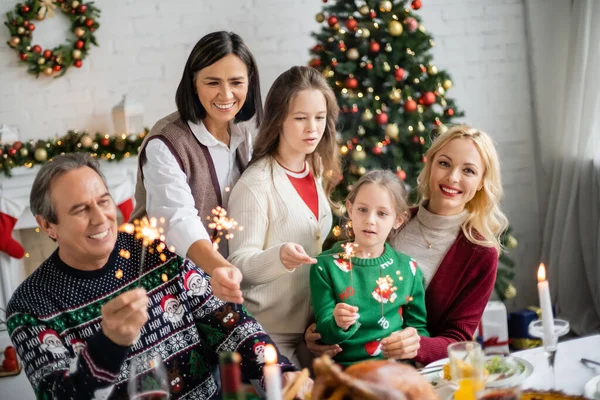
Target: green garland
<point x="100" y="145"/>
<point x="84" y="21"/>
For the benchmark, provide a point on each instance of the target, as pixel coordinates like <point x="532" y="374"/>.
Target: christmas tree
<point x="376" y="55"/>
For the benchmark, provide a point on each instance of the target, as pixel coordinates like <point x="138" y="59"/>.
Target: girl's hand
<point x="401" y="345"/>
<point x="345" y="315"/>
<point x="292" y="256"/>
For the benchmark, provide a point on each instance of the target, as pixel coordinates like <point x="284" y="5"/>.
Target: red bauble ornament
<point x="423" y="68"/>
<point x="377" y="150"/>
<point x="399" y="73"/>
<point x="17" y="145"/>
<point x="437" y="122"/>
<point x="416" y="4"/>
<point x="416" y="139"/>
<point x="315" y="62"/>
<point x="31" y="27"/>
<point x="449" y="112"/>
<point x="89" y="22"/>
<point x="342" y="46"/>
<point x="25" y="9"/>
<point x="410" y="105"/>
<point x="36" y="49"/>
<point x="381" y="118"/>
<point x="105" y="142"/>
<point x="427" y="99"/>
<point x="351" y="83"/>
<point x="47" y="54"/>
<point x="317" y="48"/>
<point x="79" y="44"/>
<point x="57" y="68"/>
<point x="369" y="66"/>
<point x="23" y="57"/>
<point x="82" y="9"/>
<point x="12" y="152"/>
<point x="372" y="14"/>
<point x="331" y="21"/>
<point x="78" y="63"/>
<point x="351" y="24"/>
<point x="25" y="24"/>
<point x="374" y="47"/>
<point x="401" y="174"/>
<point x="334" y="63"/>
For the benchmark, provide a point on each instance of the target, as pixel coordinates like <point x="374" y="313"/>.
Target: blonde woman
<point x="282" y="201"/>
<point x="454" y="237"/>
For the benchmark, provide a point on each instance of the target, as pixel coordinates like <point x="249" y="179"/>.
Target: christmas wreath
<point x="84" y="21"/>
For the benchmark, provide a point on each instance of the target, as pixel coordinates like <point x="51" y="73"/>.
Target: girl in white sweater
<point x="283" y="202"/>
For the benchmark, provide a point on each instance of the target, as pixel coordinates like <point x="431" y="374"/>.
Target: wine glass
<point x="148" y="378"/>
<point x="559" y="328"/>
<point x="466" y="368"/>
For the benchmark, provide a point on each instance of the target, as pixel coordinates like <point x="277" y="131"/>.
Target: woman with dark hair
<point x="191" y="158"/>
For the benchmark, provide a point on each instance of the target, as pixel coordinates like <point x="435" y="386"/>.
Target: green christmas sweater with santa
<point x="388" y="291"/>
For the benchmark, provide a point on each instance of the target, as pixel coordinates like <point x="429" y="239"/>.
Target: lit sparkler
<point x="147" y="230"/>
<point x="347" y="255"/>
<point x="223" y="225"/>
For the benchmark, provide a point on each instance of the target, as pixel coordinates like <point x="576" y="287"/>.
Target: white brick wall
<point x="144" y="45"/>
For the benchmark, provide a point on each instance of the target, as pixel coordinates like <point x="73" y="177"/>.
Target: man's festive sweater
<point x="54" y="320"/>
<point x="388" y="291"/>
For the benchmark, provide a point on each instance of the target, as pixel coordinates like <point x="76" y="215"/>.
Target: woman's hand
<point x="292" y="256"/>
<point x="312" y="337"/>
<point x="345" y="315"/>
<point x="401" y="345"/>
<point x="225" y="282"/>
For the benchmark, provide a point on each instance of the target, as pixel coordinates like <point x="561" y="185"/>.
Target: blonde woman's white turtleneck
<point x="440" y="231"/>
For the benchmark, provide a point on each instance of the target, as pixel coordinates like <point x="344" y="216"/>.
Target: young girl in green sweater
<point x="364" y="291"/>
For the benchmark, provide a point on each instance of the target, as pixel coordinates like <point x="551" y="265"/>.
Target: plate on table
<point x="503" y="371"/>
<point x="592" y="388"/>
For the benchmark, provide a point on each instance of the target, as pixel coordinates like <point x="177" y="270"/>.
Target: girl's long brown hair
<point x="324" y="161"/>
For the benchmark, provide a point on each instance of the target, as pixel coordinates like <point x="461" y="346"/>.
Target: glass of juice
<point x="466" y="369"/>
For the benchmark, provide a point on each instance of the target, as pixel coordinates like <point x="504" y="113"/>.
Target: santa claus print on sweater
<point x="342" y="263"/>
<point x="384" y="292"/>
<point x="50" y="341"/>
<point x="195" y="284"/>
<point x="172" y="309"/>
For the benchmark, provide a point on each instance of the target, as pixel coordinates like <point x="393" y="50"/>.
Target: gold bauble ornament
<point x="48" y="71"/>
<point x="327" y="72"/>
<point x="510" y="291"/>
<point x="365" y="32"/>
<point x="364" y="10"/>
<point x="432" y="70"/>
<point x="14" y="41"/>
<point x="420" y="127"/>
<point x="442" y="128"/>
<point x="511" y="242"/>
<point x="362" y="170"/>
<point x="41" y="61"/>
<point x="86" y="141"/>
<point x="79" y="31"/>
<point x="59" y="60"/>
<point x="337" y="231"/>
<point x="420" y="109"/>
<point x="359" y="155"/>
<point x="20" y="30"/>
<point x="385" y="6"/>
<point x="120" y="144"/>
<point x="441" y="91"/>
<point x="367" y="115"/>
<point x="361" y="130"/>
<point x="24" y="152"/>
<point x="353" y="54"/>
<point x="388" y="48"/>
<point x="40" y="154"/>
<point x="392" y="130"/>
<point x="40" y="17"/>
<point x="320" y="17"/>
<point x="95" y="146"/>
<point x="76" y="54"/>
<point x="75" y="4"/>
<point x="386" y="67"/>
<point x="443" y="102"/>
<point x="396" y="96"/>
<point x="422" y="28"/>
<point x="132" y="138"/>
<point x="447" y="84"/>
<point x="395" y="28"/>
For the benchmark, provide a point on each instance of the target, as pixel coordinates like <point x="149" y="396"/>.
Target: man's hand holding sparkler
<point x="292" y="256"/>
<point x="124" y="316"/>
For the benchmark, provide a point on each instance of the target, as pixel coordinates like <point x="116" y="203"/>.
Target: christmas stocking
<point x="7" y="244"/>
<point x="126" y="208"/>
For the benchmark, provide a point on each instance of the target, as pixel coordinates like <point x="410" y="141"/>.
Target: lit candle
<point x="546" y="306"/>
<point x="272" y="374"/>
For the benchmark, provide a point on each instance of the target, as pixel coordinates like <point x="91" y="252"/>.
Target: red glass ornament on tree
<point x="315" y="62"/>
<point x="369" y="66"/>
<point x="450" y="112"/>
<point x="381" y="118"/>
<point x="351" y="83"/>
<point x="427" y="99"/>
<point x="372" y="14"/>
<point x="47" y="54"/>
<point x="399" y="73"/>
<point x="25" y="9"/>
<point x="36" y="49"/>
<point x="79" y="44"/>
<point x="410" y="105"/>
<point x="23" y="57"/>
<point x="25" y="24"/>
<point x="17" y="145"/>
<point x="12" y="152"/>
<point x="377" y="150"/>
<point x="82" y="9"/>
<point x="317" y="48"/>
<point x="416" y="4"/>
<point x="89" y="22"/>
<point x="437" y="122"/>
<point x="78" y="63"/>
<point x="105" y="142"/>
<point x="374" y="47"/>
<point x="351" y="24"/>
<point x="334" y="63"/>
<point x="31" y="27"/>
<point x="331" y="21"/>
<point x="56" y="68"/>
<point x="401" y="174"/>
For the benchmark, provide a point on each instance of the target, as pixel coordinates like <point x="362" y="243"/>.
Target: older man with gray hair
<point x="87" y="311"/>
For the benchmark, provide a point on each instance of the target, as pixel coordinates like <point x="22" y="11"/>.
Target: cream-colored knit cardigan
<point x="266" y="204"/>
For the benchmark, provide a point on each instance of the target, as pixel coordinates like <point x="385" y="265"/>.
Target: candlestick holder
<point x="560" y="328"/>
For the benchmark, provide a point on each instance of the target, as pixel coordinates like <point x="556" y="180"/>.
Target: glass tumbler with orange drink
<point x="467" y="369"/>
